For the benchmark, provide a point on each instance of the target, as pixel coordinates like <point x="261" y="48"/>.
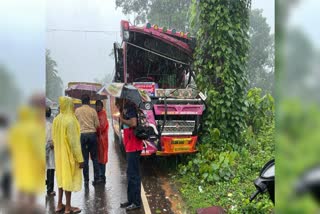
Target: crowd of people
<point x="77" y="135"/>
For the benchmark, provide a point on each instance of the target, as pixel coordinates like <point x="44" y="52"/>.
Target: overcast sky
<point x="83" y="56"/>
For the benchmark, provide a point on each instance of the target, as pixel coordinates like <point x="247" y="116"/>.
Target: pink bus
<point x="158" y="60"/>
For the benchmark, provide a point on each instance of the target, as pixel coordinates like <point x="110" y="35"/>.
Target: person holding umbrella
<point x="128" y="99"/>
<point x="102" y="132"/>
<point x="133" y="147"/>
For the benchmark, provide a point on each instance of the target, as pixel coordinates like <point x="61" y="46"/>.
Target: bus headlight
<point x="148" y="106"/>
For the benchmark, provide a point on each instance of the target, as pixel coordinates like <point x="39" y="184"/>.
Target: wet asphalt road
<point x="106" y="199"/>
<point x="102" y="199"/>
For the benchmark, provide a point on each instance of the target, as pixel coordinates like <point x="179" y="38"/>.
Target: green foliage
<point x="238" y="135"/>
<point x="260" y="109"/>
<point x="54" y="85"/>
<point x="139" y="7"/>
<point x="218" y="163"/>
<point x="231" y="192"/>
<point x="261" y="53"/>
<point x="220" y="64"/>
<point x="223" y="174"/>
<point x="297" y="150"/>
<point x="168" y="13"/>
<point x="211" y="166"/>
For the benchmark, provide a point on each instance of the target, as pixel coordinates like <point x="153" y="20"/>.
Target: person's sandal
<point x="73" y="210"/>
<point x="53" y="193"/>
<point x="60" y="210"/>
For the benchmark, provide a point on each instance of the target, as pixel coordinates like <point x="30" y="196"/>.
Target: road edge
<point x="145" y="203"/>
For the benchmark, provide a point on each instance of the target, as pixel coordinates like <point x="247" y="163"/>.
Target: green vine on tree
<point x="220" y="64"/>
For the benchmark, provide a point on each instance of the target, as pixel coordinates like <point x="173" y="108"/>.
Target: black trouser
<point x="102" y="171"/>
<point x="50" y="180"/>
<point x="6" y="185"/>
<point x="89" y="144"/>
<point x="134" y="179"/>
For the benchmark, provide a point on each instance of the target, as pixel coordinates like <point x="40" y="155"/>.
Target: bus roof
<point x="180" y="40"/>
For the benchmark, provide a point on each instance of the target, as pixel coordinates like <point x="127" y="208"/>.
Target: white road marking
<point x="145" y="203"/>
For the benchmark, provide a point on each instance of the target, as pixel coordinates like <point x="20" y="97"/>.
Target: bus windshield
<point x="150" y="59"/>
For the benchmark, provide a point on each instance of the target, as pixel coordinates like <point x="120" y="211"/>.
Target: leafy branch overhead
<point x="169" y="13"/>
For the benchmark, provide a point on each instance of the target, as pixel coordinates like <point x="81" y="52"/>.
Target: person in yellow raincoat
<point x="27" y="149"/>
<point x="67" y="153"/>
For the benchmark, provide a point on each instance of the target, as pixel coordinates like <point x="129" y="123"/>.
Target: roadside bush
<point x="224" y="177"/>
<point x="211" y="166"/>
<point x="260" y="109"/>
<point x="217" y="158"/>
<point x="222" y="173"/>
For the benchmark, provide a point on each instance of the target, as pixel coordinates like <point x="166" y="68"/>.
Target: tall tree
<point x="220" y="64"/>
<point x="261" y="54"/>
<point x="169" y="13"/>
<point x="54" y="84"/>
<point x="140" y="8"/>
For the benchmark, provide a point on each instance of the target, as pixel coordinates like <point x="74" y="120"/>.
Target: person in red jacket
<point x="102" y="132"/>
<point x="133" y="147"/>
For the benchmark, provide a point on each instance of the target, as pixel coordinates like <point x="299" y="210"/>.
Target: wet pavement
<point x="106" y="199"/>
<point x="161" y="191"/>
<point x="102" y="198"/>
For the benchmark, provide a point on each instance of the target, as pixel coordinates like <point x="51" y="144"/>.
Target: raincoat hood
<point x="67" y="147"/>
<point x="26" y="113"/>
<point x="66" y="105"/>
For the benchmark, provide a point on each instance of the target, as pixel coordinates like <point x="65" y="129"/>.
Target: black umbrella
<point x="129" y="92"/>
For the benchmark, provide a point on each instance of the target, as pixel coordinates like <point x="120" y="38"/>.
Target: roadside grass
<point x="231" y="193"/>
